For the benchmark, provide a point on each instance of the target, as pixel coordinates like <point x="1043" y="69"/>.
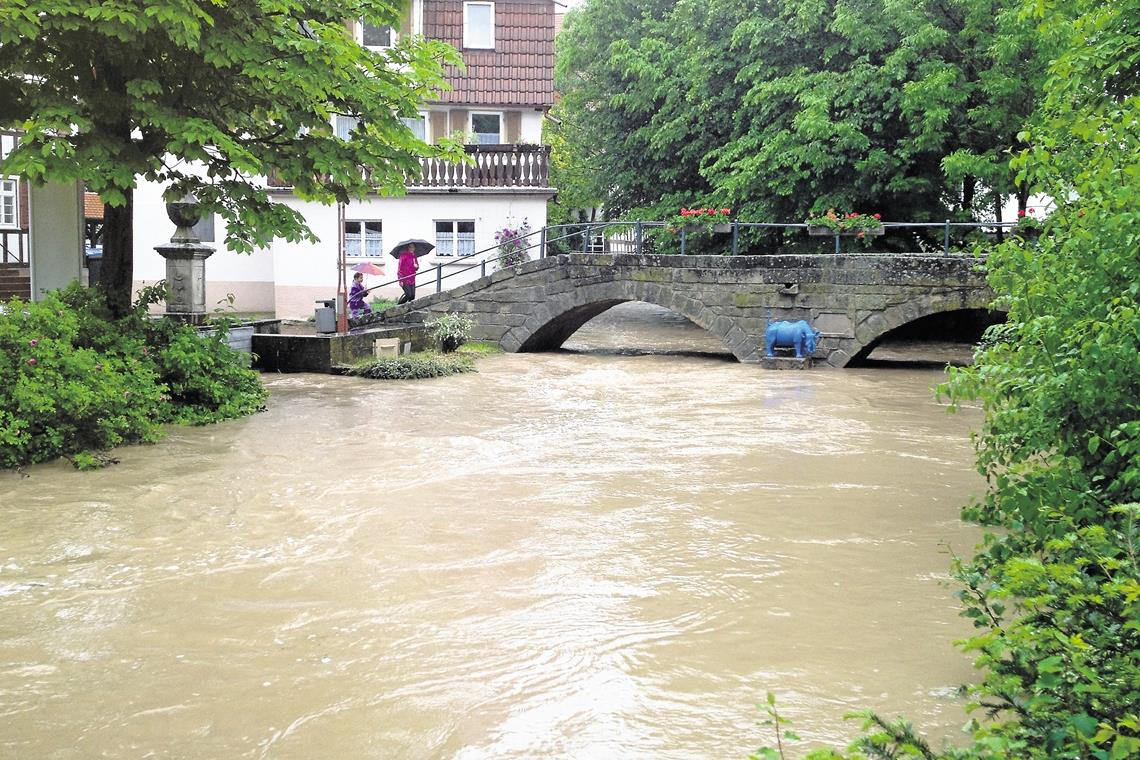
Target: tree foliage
<point x="777" y="108"/>
<point x="206" y="97"/>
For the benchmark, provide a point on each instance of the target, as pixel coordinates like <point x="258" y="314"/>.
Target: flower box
<point x="821" y="231"/>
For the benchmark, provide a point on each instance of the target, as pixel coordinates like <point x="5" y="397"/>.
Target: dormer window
<point x="374" y="36"/>
<point x="479" y="25"/>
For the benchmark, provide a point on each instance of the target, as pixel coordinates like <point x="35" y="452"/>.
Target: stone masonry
<point x="853" y="299"/>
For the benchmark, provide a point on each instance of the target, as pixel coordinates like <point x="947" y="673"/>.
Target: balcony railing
<point x="503" y="166"/>
<point x="495" y="166"/>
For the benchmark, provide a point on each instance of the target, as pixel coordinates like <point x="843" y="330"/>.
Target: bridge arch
<point x="881" y="323"/>
<point x="556" y="319"/>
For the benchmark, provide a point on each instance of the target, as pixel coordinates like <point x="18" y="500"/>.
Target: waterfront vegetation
<point x="1054" y="589"/>
<point x="75" y="381"/>
<point x="418" y="366"/>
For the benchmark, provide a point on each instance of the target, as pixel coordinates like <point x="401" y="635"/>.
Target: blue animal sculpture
<point x="799" y="335"/>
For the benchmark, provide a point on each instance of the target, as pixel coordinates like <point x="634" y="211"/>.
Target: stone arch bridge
<point x="853" y="299"/>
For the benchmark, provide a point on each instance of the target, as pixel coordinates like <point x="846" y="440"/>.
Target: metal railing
<point x="633" y="237"/>
<point x="14" y="247"/>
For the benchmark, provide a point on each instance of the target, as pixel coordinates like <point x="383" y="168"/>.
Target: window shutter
<point x="459" y="120"/>
<point x="513" y="126"/>
<point x="437" y="121"/>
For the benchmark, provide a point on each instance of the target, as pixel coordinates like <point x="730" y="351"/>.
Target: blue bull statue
<point x="799" y="335"/>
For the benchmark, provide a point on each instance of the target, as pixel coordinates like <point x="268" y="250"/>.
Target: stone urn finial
<point x="185" y="213"/>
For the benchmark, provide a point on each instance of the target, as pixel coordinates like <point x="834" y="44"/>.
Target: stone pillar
<point x="185" y="263"/>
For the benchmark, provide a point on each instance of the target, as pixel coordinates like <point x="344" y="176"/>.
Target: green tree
<point x="1055" y="590"/>
<point x="779" y="107"/>
<point x="206" y="97"/>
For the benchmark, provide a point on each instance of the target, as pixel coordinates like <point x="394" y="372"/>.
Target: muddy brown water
<point x="581" y="554"/>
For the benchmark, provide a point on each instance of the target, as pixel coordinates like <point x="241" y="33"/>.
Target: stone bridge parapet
<point x="853" y="299"/>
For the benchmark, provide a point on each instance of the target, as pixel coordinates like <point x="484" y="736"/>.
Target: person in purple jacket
<point x="356" y="305"/>
<point x="406" y="268"/>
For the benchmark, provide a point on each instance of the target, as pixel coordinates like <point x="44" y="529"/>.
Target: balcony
<point x="495" y="166"/>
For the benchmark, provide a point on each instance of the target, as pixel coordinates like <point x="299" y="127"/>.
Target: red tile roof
<point x="92" y="206"/>
<point x="518" y="72"/>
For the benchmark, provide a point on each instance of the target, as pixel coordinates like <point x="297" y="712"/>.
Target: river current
<point x="600" y="552"/>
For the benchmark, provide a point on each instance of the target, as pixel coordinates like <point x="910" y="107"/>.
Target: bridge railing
<point x="646" y="237"/>
<point x="635" y="237"/>
<point x="538" y="241"/>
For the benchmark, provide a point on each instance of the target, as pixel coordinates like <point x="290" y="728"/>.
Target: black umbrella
<point x="422" y="247"/>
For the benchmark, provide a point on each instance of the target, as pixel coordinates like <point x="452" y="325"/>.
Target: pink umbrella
<point x="368" y="267"/>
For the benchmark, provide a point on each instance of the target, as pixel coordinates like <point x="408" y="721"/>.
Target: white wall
<point x="56" y="235"/>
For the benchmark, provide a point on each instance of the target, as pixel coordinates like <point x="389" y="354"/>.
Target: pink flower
<point x="726" y="211"/>
<point x="878" y="217"/>
<point x="1030" y="210"/>
<point x="1021" y="212"/>
<point x="32" y="361"/>
<point x="33" y="342"/>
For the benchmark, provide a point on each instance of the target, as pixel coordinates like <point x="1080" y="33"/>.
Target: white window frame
<point x="362" y="251"/>
<point x="358" y="35"/>
<point x="469" y="40"/>
<point x="471" y="126"/>
<point x="454" y="249"/>
<point x="423" y="118"/>
<point x="351" y="121"/>
<point x="10" y="197"/>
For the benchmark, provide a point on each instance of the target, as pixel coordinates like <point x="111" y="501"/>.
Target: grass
<point x="480" y="348"/>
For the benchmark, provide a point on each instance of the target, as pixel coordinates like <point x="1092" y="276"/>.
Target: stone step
<point x="15" y="281"/>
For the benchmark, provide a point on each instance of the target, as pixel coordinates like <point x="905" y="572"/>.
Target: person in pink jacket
<point x="406" y="267"/>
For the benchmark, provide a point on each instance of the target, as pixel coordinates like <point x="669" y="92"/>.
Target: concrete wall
<point x="853" y="299"/>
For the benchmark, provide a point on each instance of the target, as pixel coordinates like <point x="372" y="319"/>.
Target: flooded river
<point x="595" y="553"/>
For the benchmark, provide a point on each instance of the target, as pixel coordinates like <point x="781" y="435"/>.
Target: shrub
<point x="74" y="380"/>
<point x="450" y="330"/>
<point x="414" y="366"/>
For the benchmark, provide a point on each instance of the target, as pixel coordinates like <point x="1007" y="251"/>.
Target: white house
<point x="498" y="103"/>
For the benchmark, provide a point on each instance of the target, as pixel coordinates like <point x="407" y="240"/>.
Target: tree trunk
<point x="969" y="187"/>
<point x="117" y="275"/>
<point x="997" y="218"/>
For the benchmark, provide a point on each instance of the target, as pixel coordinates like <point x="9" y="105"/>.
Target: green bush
<point x="414" y="366"/>
<point x="450" y="330"/>
<point x="73" y="380"/>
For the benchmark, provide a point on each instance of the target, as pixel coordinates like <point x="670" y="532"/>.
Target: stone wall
<point x="853" y="299"/>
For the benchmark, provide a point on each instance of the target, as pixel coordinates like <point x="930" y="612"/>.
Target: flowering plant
<point x="1027" y="220"/>
<point x="852" y="223"/>
<point x="700" y="217"/>
<point x="512" y="244"/>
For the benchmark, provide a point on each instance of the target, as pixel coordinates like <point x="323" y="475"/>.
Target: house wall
<point x="306" y="272"/>
<point x="287" y="278"/>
